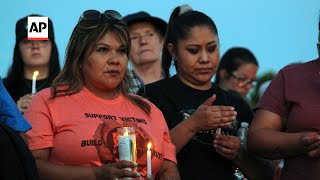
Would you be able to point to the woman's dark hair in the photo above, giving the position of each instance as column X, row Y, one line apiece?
column 181, row 22
column 84, row 35
column 233, row 59
column 15, row 76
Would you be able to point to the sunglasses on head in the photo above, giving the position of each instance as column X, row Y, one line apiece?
column 95, row 15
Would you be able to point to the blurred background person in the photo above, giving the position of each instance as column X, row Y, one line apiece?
column 194, row 107
column 146, row 33
column 286, row 123
column 74, row 133
column 28, row 57
column 237, row 70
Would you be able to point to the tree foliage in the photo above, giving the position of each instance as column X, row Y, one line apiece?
column 254, row 95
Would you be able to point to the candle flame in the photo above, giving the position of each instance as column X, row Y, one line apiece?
column 35, row 74
column 149, row 146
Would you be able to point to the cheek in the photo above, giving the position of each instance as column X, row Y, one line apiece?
column 24, row 55
column 47, row 52
column 158, row 44
column 215, row 58
column 87, row 72
column 91, row 67
column 185, row 63
column 134, row 48
column 236, row 87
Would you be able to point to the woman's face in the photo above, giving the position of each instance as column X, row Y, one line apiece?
column 35, row 53
column 197, row 57
column 146, row 43
column 241, row 80
column 105, row 65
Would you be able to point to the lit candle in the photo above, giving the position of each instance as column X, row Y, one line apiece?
column 34, row 79
column 127, row 145
column 149, row 174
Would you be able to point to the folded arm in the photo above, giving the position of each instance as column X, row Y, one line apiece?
column 266, row 138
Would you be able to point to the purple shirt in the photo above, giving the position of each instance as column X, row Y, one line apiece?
column 295, row 94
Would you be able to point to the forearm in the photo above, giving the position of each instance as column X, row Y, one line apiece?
column 182, row 133
column 48, row 170
column 168, row 171
column 254, row 167
column 273, row 144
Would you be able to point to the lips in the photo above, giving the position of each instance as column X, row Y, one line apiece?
column 113, row 71
column 145, row 50
column 204, row 70
column 35, row 54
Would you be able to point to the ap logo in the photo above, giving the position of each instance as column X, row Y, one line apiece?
column 38, row 28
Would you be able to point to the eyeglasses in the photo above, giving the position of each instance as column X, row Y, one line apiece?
column 25, row 43
column 243, row 82
column 147, row 36
column 91, row 14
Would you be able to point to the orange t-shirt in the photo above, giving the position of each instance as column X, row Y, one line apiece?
column 81, row 129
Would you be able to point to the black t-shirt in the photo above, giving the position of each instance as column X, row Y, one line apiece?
column 177, row 101
column 19, row 90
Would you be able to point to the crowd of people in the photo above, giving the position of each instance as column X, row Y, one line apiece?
column 116, row 74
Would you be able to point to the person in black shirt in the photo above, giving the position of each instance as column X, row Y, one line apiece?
column 30, row 56
column 194, row 107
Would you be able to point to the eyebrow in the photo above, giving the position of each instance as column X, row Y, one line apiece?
column 246, row 77
column 107, row 45
column 143, row 32
column 102, row 44
column 209, row 43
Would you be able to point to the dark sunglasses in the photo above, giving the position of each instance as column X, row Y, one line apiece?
column 95, row 15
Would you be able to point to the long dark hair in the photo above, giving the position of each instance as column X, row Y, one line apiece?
column 181, row 22
column 15, row 76
column 233, row 59
column 86, row 33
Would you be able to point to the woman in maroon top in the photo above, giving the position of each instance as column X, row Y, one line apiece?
column 287, row 121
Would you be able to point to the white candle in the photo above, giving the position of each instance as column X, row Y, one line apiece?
column 149, row 173
column 126, row 145
column 34, row 80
